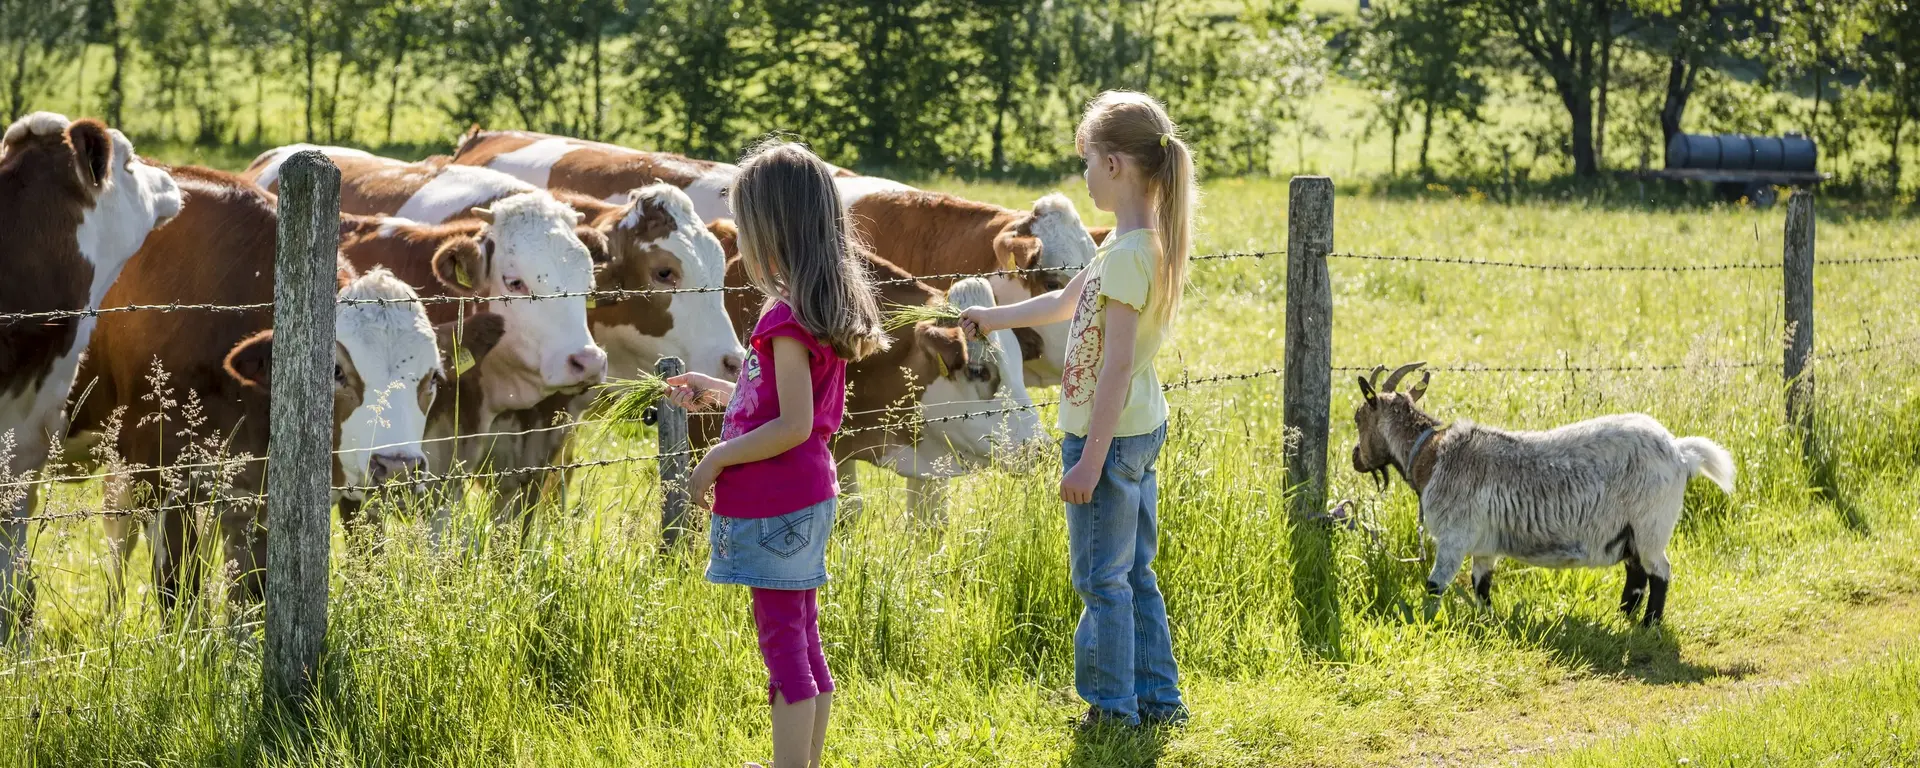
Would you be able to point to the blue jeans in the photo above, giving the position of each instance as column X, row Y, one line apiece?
column 1122, row 652
column 784, row 552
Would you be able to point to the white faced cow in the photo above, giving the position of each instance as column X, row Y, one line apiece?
column 75, row 204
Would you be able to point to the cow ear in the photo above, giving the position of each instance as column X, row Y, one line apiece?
column 459, row 264
column 648, row 220
column 250, row 362
column 1030, row 343
column 728, row 235
column 945, row 345
column 464, row 343
column 598, row 249
column 1099, row 234
column 1015, row 249
column 92, row 152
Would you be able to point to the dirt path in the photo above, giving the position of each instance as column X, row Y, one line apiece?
column 1583, row 711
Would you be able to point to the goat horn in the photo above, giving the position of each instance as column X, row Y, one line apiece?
column 1393, row 379
column 1374, row 379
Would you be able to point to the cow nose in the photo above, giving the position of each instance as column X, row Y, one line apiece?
column 731, row 364
column 588, row 365
column 387, row 466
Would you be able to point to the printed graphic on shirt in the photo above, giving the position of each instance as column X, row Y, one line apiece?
column 746, row 397
column 1084, row 344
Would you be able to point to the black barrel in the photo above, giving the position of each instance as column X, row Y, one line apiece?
column 1688, row 150
column 1736, row 152
column 1798, row 153
column 1768, row 153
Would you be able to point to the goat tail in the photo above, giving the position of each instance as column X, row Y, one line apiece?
column 1705, row 457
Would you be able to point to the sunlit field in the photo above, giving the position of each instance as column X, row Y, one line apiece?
column 951, row 639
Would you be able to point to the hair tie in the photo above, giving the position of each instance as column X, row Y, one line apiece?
column 1164, row 137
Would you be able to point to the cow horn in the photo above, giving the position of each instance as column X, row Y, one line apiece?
column 1374, row 378
column 483, row 214
column 1393, row 379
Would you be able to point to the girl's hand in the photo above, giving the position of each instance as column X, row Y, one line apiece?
column 977, row 321
column 700, row 483
column 1076, row 487
column 698, row 391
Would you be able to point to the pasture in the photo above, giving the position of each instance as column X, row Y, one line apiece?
column 1793, row 600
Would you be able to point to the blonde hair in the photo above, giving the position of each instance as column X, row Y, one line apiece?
column 794, row 240
column 1136, row 125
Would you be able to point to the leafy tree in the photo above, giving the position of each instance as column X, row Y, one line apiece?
column 1424, row 55
column 36, row 37
column 1890, row 57
column 1563, row 40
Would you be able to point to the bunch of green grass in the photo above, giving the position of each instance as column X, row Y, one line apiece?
column 624, row 402
column 902, row 316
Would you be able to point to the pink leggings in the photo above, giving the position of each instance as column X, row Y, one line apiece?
column 789, row 623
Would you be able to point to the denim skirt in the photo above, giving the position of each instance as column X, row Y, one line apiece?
column 784, row 552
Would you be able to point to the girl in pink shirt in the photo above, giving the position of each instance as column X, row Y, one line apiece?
column 772, row 476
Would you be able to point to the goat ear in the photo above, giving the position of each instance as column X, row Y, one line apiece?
column 1419, row 390
column 1366, row 391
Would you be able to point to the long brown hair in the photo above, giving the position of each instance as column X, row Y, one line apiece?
column 1136, row 125
column 795, row 241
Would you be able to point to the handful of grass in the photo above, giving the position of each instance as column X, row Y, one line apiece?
column 625, row 400
column 908, row 315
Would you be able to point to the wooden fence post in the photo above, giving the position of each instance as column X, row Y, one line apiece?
column 1306, row 396
column 1798, row 271
column 674, row 461
column 300, row 430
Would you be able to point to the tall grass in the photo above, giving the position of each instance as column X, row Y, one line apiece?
column 952, row 645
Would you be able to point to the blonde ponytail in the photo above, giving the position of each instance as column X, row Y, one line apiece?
column 1137, row 125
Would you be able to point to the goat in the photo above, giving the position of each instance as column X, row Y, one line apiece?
column 1591, row 494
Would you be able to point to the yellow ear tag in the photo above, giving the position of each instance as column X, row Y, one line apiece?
column 462, row 360
column 591, row 303
column 460, row 275
column 942, row 360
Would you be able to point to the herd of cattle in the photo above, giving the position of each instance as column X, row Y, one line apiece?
column 91, row 224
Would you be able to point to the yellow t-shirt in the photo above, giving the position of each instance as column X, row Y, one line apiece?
column 1122, row 270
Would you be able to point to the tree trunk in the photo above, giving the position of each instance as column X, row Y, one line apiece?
column 115, row 98
column 1579, row 102
column 393, row 86
column 1393, row 145
column 1426, row 138
column 1606, row 77
column 1153, row 22
column 599, row 110
column 333, row 98
column 306, row 33
column 1004, row 99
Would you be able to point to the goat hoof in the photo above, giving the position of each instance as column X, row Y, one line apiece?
column 1435, row 590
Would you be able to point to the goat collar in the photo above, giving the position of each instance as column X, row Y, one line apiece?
column 1413, row 457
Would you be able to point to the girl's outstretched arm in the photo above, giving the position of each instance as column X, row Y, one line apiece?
column 793, row 379
column 1109, row 398
column 1044, row 309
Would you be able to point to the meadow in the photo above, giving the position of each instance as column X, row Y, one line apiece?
column 1788, row 639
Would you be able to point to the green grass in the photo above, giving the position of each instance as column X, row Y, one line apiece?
column 1866, row 716
column 952, row 643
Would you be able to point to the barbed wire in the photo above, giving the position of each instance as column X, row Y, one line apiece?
column 1556, row 267
column 1869, row 347
column 1660, row 368
column 17, row 666
column 61, row 314
column 1865, row 260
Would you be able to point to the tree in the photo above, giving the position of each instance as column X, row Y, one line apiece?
column 1425, row 55
column 1563, row 39
column 1891, row 60
column 36, row 36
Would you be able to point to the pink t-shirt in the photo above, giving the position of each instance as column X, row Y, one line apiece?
column 804, row 475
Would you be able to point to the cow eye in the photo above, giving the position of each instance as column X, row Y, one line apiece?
column 665, row 275
column 339, row 375
column 517, row 286
column 979, row 372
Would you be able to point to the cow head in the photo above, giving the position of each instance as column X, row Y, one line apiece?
column 526, row 246
column 659, row 243
column 981, row 377
column 123, row 197
column 386, row 373
column 1050, row 238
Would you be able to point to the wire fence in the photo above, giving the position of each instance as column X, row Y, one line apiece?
column 1307, row 390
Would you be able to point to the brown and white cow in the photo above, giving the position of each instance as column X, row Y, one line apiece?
column 75, row 204
column 606, row 171
column 931, row 233
column 972, row 391
column 523, row 245
column 654, row 240
column 220, row 250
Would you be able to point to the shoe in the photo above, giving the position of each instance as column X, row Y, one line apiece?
column 1172, row 717
column 1096, row 718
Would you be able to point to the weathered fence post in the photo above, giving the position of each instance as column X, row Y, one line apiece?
column 1306, row 396
column 672, row 421
column 1798, row 271
column 300, row 430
